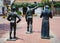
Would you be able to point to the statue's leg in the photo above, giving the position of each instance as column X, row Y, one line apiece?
column 28, row 31
column 14, row 30
column 11, row 30
column 30, row 26
column 27, row 26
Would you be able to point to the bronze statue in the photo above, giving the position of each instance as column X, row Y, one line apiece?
column 46, row 13
column 12, row 18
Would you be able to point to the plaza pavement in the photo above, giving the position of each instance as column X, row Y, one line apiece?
column 35, row 37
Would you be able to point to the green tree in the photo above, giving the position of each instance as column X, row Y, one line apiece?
column 45, row 1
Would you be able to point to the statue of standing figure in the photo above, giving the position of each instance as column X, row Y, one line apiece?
column 29, row 18
column 46, row 13
column 12, row 18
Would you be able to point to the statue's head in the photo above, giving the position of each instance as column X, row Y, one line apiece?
column 46, row 7
column 13, row 9
column 29, row 6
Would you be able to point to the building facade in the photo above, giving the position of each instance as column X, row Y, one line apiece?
column 28, row 1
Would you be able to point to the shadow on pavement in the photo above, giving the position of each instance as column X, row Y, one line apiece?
column 3, row 29
column 36, row 31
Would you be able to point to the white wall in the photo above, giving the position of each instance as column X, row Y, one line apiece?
column 1, row 5
column 38, row 11
column 21, row 9
column 12, row 1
